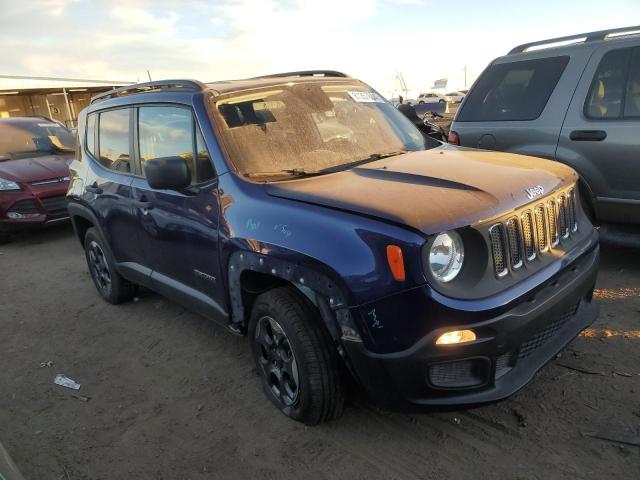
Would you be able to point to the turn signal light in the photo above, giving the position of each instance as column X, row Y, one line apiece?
column 396, row 262
column 455, row 337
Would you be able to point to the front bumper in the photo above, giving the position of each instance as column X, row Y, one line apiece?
column 33, row 206
column 510, row 349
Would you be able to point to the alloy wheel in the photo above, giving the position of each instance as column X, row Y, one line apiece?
column 99, row 267
column 277, row 361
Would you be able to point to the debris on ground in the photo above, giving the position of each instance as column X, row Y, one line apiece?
column 46, row 364
column 581, row 370
column 81, row 398
column 64, row 381
column 623, row 374
column 522, row 420
column 634, row 442
column 457, row 421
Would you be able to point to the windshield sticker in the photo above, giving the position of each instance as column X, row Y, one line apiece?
column 48, row 125
column 366, row 97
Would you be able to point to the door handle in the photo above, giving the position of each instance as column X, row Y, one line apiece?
column 588, row 135
column 93, row 188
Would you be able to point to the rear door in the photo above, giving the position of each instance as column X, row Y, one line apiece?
column 179, row 229
column 518, row 103
column 600, row 134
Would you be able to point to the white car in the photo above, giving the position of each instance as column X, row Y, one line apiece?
column 432, row 98
column 454, row 97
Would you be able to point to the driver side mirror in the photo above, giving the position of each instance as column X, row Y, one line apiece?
column 167, row 173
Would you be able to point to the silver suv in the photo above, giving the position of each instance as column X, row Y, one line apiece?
column 573, row 99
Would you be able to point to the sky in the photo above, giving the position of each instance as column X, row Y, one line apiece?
column 371, row 40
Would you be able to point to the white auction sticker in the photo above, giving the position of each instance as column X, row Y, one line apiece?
column 49, row 125
column 366, row 97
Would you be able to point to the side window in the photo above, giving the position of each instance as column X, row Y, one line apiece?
column 513, row 91
column 91, row 134
column 113, row 140
column 606, row 95
column 632, row 98
column 170, row 132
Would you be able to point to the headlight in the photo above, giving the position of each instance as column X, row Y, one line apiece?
column 8, row 185
column 446, row 256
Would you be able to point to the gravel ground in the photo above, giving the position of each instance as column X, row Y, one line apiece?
column 167, row 395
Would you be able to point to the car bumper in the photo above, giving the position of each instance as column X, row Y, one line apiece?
column 510, row 349
column 32, row 207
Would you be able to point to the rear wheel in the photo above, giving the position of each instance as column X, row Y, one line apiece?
column 295, row 358
column 109, row 283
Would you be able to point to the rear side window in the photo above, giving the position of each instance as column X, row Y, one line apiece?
column 113, row 140
column 513, row 91
column 171, row 132
column 615, row 89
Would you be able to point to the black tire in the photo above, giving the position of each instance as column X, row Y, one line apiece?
column 441, row 101
column 421, row 102
column 301, row 355
column 110, row 284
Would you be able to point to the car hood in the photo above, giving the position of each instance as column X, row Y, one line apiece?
column 35, row 169
column 433, row 190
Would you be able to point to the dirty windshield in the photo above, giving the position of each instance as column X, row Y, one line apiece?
column 312, row 128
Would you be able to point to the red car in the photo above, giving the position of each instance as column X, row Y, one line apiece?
column 35, row 153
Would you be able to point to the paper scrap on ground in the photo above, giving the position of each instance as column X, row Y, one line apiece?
column 66, row 382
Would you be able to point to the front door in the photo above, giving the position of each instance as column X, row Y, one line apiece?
column 179, row 229
column 600, row 134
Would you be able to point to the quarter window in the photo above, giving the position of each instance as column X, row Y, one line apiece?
column 91, row 134
column 170, row 132
column 113, row 140
column 513, row 91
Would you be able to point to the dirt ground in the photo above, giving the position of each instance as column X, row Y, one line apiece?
column 167, row 395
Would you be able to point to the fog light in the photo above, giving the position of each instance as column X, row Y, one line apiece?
column 19, row 216
column 455, row 337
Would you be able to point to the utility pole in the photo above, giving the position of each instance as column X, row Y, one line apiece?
column 465, row 76
column 149, row 75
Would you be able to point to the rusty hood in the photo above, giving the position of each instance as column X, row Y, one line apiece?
column 433, row 190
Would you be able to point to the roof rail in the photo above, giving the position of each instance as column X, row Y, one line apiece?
column 584, row 37
column 160, row 85
column 306, row 73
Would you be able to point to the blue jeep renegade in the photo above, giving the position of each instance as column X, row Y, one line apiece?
column 305, row 211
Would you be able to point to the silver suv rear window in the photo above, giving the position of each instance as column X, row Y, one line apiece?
column 513, row 91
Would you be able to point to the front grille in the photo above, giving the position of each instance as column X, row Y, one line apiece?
column 55, row 206
column 505, row 362
column 543, row 335
column 460, row 373
column 541, row 228
column 25, row 207
column 498, row 251
column 553, row 223
column 563, row 221
column 527, row 236
column 533, row 233
column 515, row 241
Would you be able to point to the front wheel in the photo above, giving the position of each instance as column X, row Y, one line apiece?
column 441, row 101
column 295, row 358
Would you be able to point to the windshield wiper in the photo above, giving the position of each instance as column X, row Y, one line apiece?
column 301, row 172
column 295, row 172
column 371, row 158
